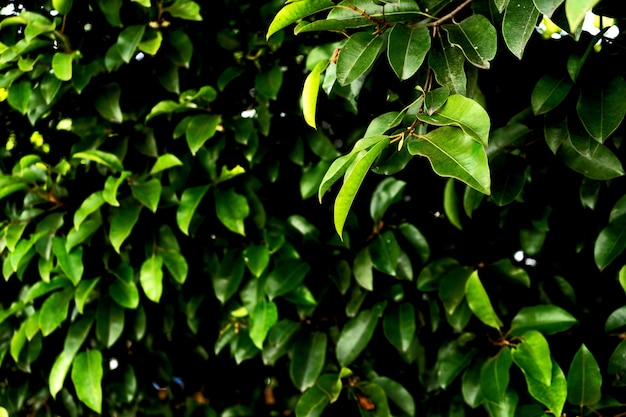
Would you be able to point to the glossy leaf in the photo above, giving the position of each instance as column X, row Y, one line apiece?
column 107, row 103
column 309, row 356
column 310, row 92
column 546, row 318
column 257, row 258
column 552, row 395
column 279, row 340
column 232, row 209
column 448, row 62
column 387, row 192
column 189, row 202
column 399, row 325
column 107, row 159
column 201, row 128
column 507, row 407
column 285, row 277
column 295, row 11
column 479, row 302
column 452, row 358
column 385, row 253
column 164, row 162
column 87, row 375
column 122, row 225
column 62, row 65
column 88, row 206
column 262, row 318
column 452, row 287
column 451, row 204
column 109, row 322
column 406, row 49
column 312, row 403
column 398, row 394
column 355, row 336
column 518, row 25
column 432, row 274
column 601, row 108
column 454, row 154
column 124, row 293
column 148, row 193
column 532, row 355
column 184, row 9
column 575, row 10
column 547, row 7
column 585, row 155
column 610, row 243
column 357, row 56
column 549, row 92
column 151, row 277
column 54, row 310
column 584, row 380
column 71, row 263
column 362, row 270
column 83, row 293
column 494, row 376
column 476, row 37
column 19, row 96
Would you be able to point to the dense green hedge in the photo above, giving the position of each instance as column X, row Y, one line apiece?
column 238, row 208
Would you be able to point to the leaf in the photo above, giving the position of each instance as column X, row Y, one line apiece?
column 107, row 103
column 310, row 92
column 451, row 204
column 546, row 318
column 462, row 112
column 532, row 356
column 184, row 9
column 232, row 209
column 295, row 11
column 376, row 397
column 87, row 377
column 399, row 326
column 124, row 293
column 257, row 258
column 309, row 357
column 494, row 376
column 362, row 269
column 448, row 63
column 312, row 403
column 452, row 358
column 279, row 340
column 199, row 129
column 507, row 407
column 62, row 65
column 454, row 154
column 387, row 192
column 509, row 173
column 547, row 7
column 355, row 336
column 54, row 310
column 610, row 243
column 111, row 186
column 19, row 96
column 176, row 264
column 406, row 49
column 83, row 293
column 601, row 108
column 285, row 277
column 109, row 322
column 585, row 155
column 479, row 302
column 398, row 394
column 71, row 263
column 384, row 252
column 357, row 56
column 335, row 171
column 189, row 202
column 352, row 183
column 452, row 287
column 164, row 162
column 151, row 277
column 584, row 380
column 107, row 159
column 62, row 6
column 124, row 219
column 476, row 37
column 553, row 395
column 262, row 318
column 575, row 10
column 549, row 92
column 518, row 25
column 148, row 193
column 87, row 207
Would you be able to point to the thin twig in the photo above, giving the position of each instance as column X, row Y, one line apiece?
column 449, row 15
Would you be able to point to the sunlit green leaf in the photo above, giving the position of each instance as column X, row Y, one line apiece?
column 476, row 37
column 87, row 375
column 189, row 202
column 576, row 10
column 309, row 356
column 610, row 243
column 122, row 225
column 532, row 355
column 295, row 11
column 552, row 395
column 232, row 209
column 355, row 336
column 480, row 303
column 406, row 50
column 184, row 9
column 151, row 277
column 584, row 380
column 201, row 128
column 262, row 318
column 494, row 376
column 357, row 56
column 548, row 319
column 310, row 92
column 312, row 403
column 518, row 25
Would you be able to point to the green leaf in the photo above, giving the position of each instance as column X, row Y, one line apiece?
column 279, row 340
column 575, row 10
column 398, row 394
column 71, row 263
column 377, row 396
column 164, row 162
column 549, row 92
column 476, row 37
column 310, row 91
column 84, row 292
column 62, row 6
column 257, row 258
column 552, row 395
column 494, row 376
column 584, row 379
column 62, row 65
column 87, row 207
column 399, row 326
column 507, row 407
column 19, row 96
column 124, row 219
column 548, row 7
column 184, row 9
column 452, row 287
column 189, row 202
column 470, row 384
column 295, row 11
column 601, row 108
column 124, row 293
column 406, row 49
column 76, row 336
column 518, row 25
column 285, row 277
column 87, row 377
column 232, row 209
column 452, row 358
column 509, row 173
column 227, row 278
column 454, row 154
column 355, row 336
column 362, row 269
column 335, row 171
column 111, row 11
column 148, row 193
column 107, row 159
column 54, row 310
column 353, row 181
column 387, row 192
column 416, row 239
column 585, row 155
column 262, row 318
column 451, row 204
column 313, row 402
column 111, row 186
column 622, row 277
column 462, row 112
column 309, row 357
column 479, row 302
column 507, row 270
column 532, row 356
column 108, row 103
column 268, row 83
column 546, row 318
column 199, row 129
column 176, row 264
column 384, row 252
column 357, row 56
column 448, row 63
column 610, row 243
column 109, row 321
column 151, row 277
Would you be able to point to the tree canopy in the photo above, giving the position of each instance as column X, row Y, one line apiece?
column 312, row 207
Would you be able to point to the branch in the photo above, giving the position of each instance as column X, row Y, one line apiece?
column 449, row 15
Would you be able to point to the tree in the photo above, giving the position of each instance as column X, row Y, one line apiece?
column 164, row 251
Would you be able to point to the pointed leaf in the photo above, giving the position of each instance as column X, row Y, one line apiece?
column 151, row 277
column 279, row 340
column 532, row 355
column 124, row 293
column 357, row 56
column 584, row 379
column 257, row 258
column 124, row 219
column 355, row 336
column 309, row 357
column 295, row 11
column 71, row 263
column 552, row 395
column 494, row 376
column 262, row 318
column 518, row 25
column 479, row 302
column 384, row 252
column 448, row 63
column 310, row 91
column 362, row 269
column 575, row 10
column 164, row 162
column 312, row 403
column 549, row 92
column 548, row 319
column 387, row 192
column 189, row 202
column 399, row 326
column 107, row 159
column 107, row 103
column 88, row 206
column 148, row 193
column 285, row 277
column 176, row 264
column 109, row 321
column 610, row 243
column 406, row 49
column 452, row 287
column 601, row 108
column 585, row 155
column 199, row 129
column 476, row 37
column 54, row 310
column 87, row 377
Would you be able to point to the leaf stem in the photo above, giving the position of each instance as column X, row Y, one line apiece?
column 449, row 15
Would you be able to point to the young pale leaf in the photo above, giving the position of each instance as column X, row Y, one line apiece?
column 353, row 181
column 122, row 225
column 148, row 193
column 552, row 395
column 448, row 63
column 399, row 326
column 462, row 112
column 575, row 10
column 151, row 277
column 532, row 355
column 313, row 402
column 355, row 336
column 518, row 25
column 294, row 11
column 232, row 209
column 310, row 92
column 584, row 379
column 601, row 108
column 62, row 65
column 549, row 92
column 622, row 278
column 454, row 154
column 309, row 357
column 406, row 49
column 334, row 172
column 610, row 243
column 262, row 318
column 476, row 37
column 87, row 378
column 357, row 56
column 479, row 302
column 189, row 202
column 107, row 159
column 494, row 376
column 164, row 162
column 546, row 318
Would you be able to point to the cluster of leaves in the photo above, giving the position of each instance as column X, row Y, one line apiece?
column 149, row 275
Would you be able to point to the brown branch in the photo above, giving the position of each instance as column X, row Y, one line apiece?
column 449, row 15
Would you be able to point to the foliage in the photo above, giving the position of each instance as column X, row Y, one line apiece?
column 163, row 252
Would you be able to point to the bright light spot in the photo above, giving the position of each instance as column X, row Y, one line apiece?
column 530, row 262
column 518, row 256
column 8, row 10
column 11, row 142
column 438, row 214
column 248, row 114
column 36, row 139
column 282, row 114
column 87, row 27
column 139, row 56
column 113, row 364
column 54, row 13
column 65, row 124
